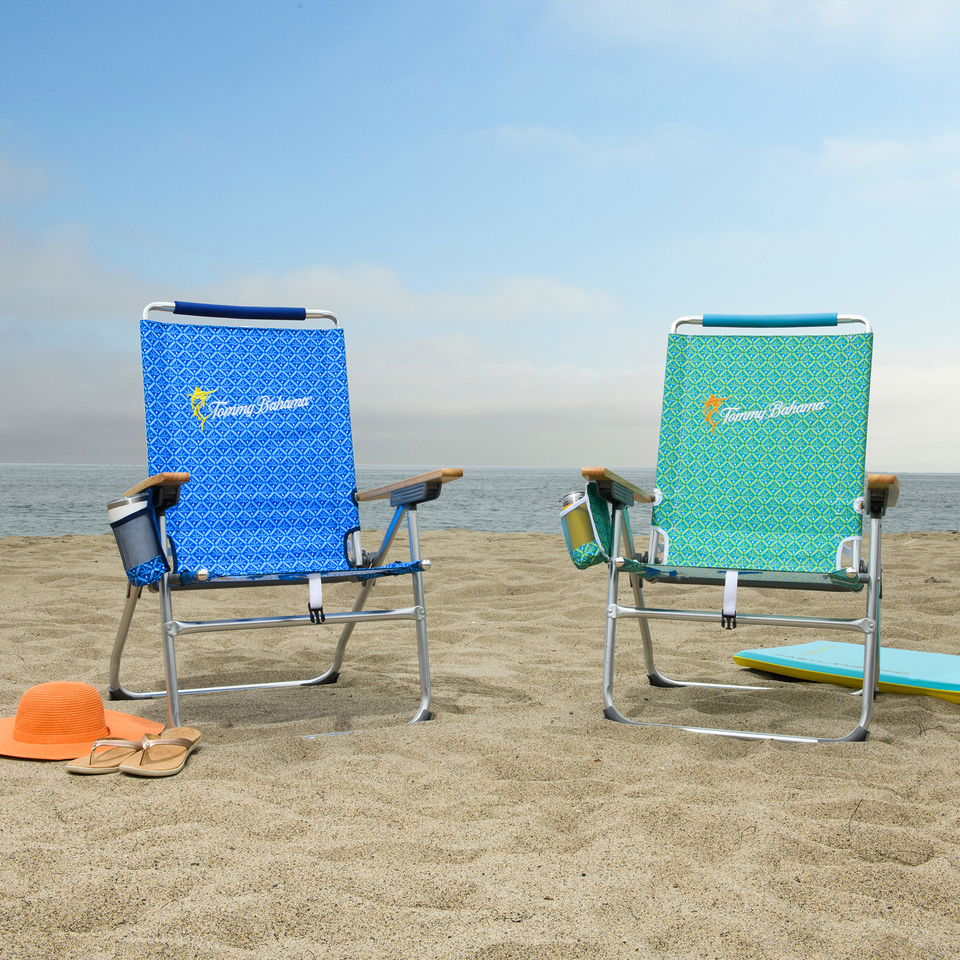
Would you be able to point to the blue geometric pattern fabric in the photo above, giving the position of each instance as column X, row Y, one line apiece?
column 260, row 418
column 146, row 573
column 762, row 446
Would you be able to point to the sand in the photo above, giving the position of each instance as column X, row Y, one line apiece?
column 519, row 823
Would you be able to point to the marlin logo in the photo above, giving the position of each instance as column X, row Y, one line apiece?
column 710, row 408
column 198, row 403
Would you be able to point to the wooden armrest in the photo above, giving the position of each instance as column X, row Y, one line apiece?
column 602, row 473
column 887, row 482
column 444, row 475
column 159, row 480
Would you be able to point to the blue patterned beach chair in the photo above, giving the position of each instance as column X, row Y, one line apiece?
column 760, row 483
column 253, row 483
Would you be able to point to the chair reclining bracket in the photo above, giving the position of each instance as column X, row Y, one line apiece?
column 615, row 493
column 418, row 493
column 165, row 497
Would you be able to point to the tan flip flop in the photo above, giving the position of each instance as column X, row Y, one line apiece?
column 163, row 755
column 112, row 752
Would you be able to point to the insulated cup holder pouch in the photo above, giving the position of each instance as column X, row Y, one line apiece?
column 134, row 524
column 580, row 528
column 588, row 528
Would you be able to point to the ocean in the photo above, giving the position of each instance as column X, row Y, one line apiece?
column 50, row 500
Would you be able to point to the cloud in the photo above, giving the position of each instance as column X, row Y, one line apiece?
column 367, row 290
column 21, row 184
column 770, row 29
column 64, row 406
column 912, row 421
column 591, row 435
column 458, row 375
column 56, row 277
column 601, row 152
column 561, row 141
column 898, row 170
column 452, row 398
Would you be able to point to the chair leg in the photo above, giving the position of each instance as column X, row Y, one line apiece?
column 871, row 641
column 169, row 653
column 656, row 678
column 115, row 689
column 610, row 710
column 423, row 654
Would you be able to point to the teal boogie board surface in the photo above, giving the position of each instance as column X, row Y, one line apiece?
column 901, row 671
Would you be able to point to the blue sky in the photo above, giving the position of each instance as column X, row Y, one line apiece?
column 506, row 204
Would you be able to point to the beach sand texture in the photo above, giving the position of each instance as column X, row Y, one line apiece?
column 517, row 824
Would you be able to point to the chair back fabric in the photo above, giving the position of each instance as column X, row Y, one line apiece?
column 260, row 418
column 762, row 446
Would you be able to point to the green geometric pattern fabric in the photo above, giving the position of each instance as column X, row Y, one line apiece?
column 762, row 448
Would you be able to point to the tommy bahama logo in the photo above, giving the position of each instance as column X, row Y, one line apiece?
column 217, row 409
column 715, row 414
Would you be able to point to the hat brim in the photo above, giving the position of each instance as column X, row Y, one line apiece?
column 120, row 725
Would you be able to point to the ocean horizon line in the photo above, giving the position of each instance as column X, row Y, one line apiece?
column 48, row 499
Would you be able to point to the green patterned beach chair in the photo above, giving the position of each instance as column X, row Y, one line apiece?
column 760, row 483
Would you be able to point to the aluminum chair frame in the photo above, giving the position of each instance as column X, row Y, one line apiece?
column 405, row 496
column 880, row 491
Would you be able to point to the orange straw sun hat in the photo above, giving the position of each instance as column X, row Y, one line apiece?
column 60, row 720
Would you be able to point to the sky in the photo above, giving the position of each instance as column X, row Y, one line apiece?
column 505, row 203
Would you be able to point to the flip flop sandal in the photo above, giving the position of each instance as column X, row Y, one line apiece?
column 107, row 754
column 164, row 755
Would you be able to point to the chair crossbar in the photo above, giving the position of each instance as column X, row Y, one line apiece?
column 863, row 624
column 180, row 627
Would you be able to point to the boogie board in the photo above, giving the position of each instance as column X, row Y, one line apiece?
column 901, row 671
